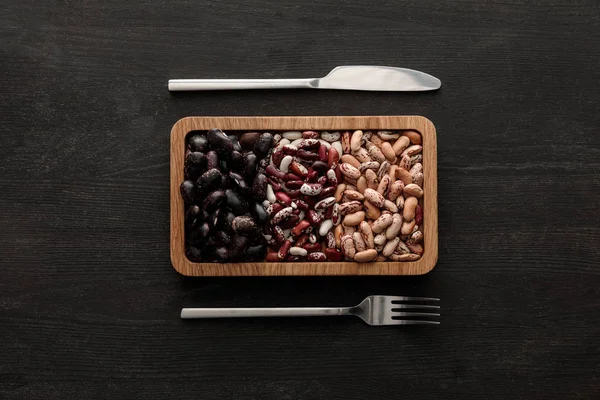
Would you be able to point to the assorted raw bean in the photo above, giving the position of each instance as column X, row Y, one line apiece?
column 303, row 196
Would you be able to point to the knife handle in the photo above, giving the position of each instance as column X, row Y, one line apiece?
column 235, row 84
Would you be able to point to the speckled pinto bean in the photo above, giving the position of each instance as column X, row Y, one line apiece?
column 383, row 173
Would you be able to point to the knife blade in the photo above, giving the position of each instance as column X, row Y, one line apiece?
column 349, row 77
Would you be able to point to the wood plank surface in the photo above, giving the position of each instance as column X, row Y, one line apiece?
column 89, row 301
column 273, row 124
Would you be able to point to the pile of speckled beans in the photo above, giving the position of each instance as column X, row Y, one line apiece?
column 329, row 196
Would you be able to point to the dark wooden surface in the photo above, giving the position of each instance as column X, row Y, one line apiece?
column 89, row 303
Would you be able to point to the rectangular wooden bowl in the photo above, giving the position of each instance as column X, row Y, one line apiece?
column 273, row 124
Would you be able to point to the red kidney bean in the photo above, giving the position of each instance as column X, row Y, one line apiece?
column 310, row 201
column 276, row 157
column 289, row 150
column 317, row 256
column 284, row 250
column 276, row 186
column 274, row 209
column 274, row 172
column 290, row 222
column 278, row 234
column 300, row 228
column 282, row 215
column 298, row 169
column 325, row 203
column 312, row 247
column 296, row 212
column 327, row 192
column 419, row 215
column 301, row 204
column 305, row 155
column 294, row 194
column 311, row 189
column 332, row 178
column 328, row 212
column 323, row 153
column 320, row 166
column 272, row 256
column 302, row 240
column 332, row 158
column 334, row 254
column 294, row 184
column 309, row 144
column 284, row 198
column 314, row 218
column 312, row 176
column 289, row 177
column 310, row 135
column 338, row 173
column 336, row 218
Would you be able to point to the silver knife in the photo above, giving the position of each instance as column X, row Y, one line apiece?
column 349, row 77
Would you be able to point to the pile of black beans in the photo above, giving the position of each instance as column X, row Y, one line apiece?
column 225, row 185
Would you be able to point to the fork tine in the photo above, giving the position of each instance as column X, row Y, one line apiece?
column 409, row 298
column 412, row 322
column 414, row 314
column 413, row 306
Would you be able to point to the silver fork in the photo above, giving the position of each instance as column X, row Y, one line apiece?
column 374, row 310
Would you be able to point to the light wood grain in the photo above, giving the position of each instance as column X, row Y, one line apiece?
column 430, row 209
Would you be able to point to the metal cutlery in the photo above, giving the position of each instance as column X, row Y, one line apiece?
column 350, row 77
column 374, row 310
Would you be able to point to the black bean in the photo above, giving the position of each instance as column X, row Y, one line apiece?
column 237, row 249
column 236, row 203
column 250, row 165
column 204, row 230
column 199, row 235
column 188, row 191
column 236, row 162
column 256, row 253
column 219, row 142
column 238, row 182
column 236, row 143
column 263, row 145
column 259, row 186
column 196, row 141
column 258, row 213
column 192, row 216
column 210, row 180
column 212, row 160
column 193, row 253
column 195, row 164
column 221, row 254
column 223, row 238
column 225, row 222
column 214, row 218
column 213, row 200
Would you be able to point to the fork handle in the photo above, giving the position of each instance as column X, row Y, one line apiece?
column 192, row 313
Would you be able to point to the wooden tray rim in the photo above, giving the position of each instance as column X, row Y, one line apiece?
column 323, row 123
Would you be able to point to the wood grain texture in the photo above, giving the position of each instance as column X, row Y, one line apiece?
column 89, row 301
column 273, row 124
